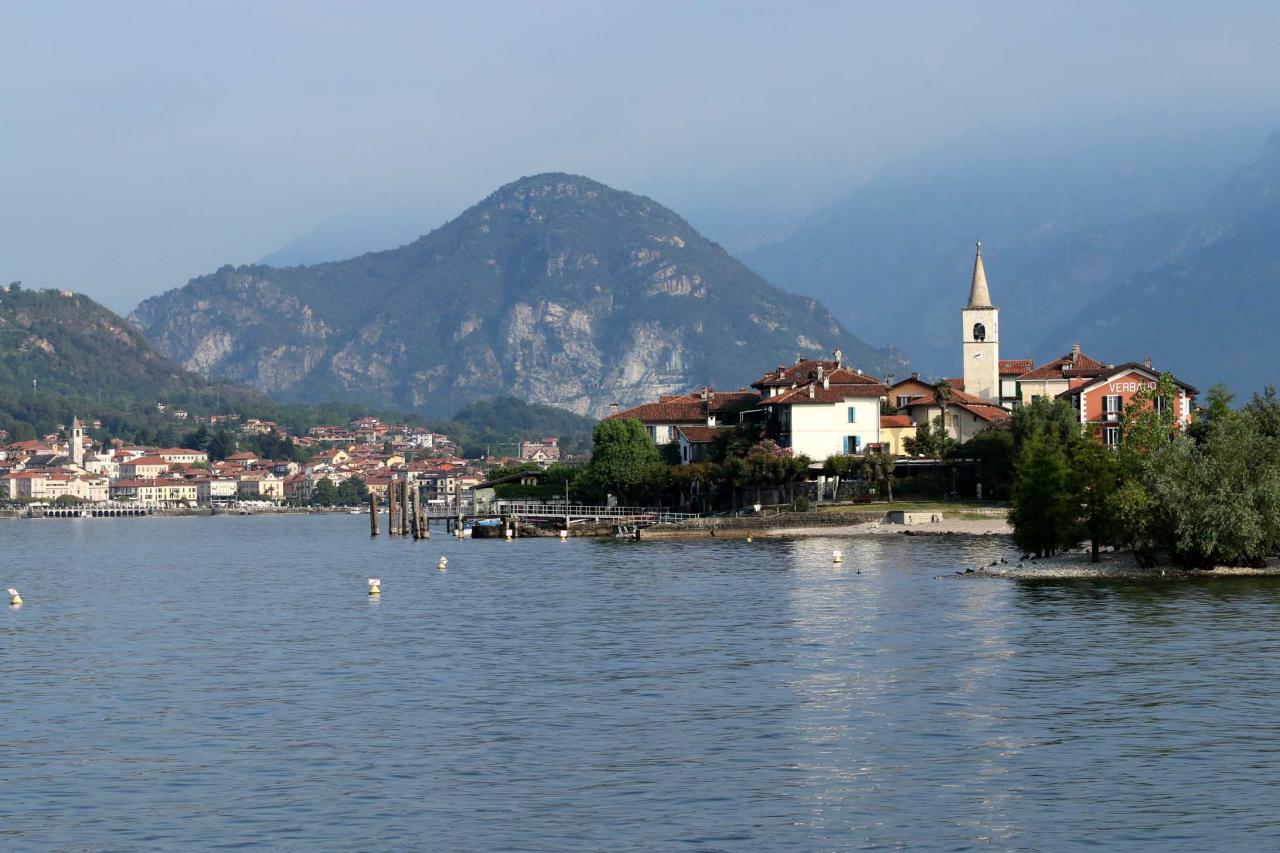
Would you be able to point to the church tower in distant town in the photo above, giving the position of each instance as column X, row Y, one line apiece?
column 77, row 442
column 981, row 338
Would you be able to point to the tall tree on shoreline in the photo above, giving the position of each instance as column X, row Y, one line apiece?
column 1044, row 505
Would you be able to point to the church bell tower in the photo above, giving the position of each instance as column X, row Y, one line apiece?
column 77, row 442
column 981, row 338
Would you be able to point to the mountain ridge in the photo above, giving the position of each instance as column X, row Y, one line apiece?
column 555, row 288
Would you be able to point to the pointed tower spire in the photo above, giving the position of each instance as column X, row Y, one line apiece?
column 978, row 295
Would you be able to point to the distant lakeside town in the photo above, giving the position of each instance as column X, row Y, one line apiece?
column 819, row 422
column 340, row 465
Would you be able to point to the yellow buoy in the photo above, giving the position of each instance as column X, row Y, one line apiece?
column 375, row 586
column 443, row 565
column 14, row 598
column 837, row 557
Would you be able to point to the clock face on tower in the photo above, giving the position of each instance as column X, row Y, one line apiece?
column 977, row 355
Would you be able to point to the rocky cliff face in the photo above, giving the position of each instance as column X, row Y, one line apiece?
column 556, row 289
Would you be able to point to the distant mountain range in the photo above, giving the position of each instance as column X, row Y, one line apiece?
column 1069, row 224
column 1209, row 309
column 556, row 289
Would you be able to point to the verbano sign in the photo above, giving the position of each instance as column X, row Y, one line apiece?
column 1129, row 387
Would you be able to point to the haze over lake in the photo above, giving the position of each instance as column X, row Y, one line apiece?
column 203, row 682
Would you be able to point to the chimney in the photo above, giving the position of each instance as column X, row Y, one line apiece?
column 798, row 358
column 820, row 371
column 613, row 408
column 915, row 375
column 839, row 357
column 1075, row 352
column 705, row 394
column 859, row 371
column 826, row 382
column 1146, row 362
column 810, row 390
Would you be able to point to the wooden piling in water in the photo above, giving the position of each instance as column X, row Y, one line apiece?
column 393, row 522
column 423, row 528
column 404, row 506
column 414, row 520
column 373, row 514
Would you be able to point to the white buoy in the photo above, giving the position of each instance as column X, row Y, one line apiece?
column 14, row 598
column 443, row 565
column 748, row 537
column 508, row 533
column 837, row 556
column 564, row 534
column 375, row 586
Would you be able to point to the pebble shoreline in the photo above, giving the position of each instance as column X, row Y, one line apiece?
column 1112, row 566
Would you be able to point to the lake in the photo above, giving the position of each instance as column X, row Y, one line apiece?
column 227, row 682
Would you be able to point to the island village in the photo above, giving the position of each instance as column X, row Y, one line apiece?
column 816, row 408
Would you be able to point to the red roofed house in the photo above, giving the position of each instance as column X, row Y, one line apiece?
column 1101, row 400
column 1051, row 379
column 894, row 431
column 696, row 440
column 822, row 408
column 144, row 468
column 705, row 407
column 966, row 414
column 543, row 452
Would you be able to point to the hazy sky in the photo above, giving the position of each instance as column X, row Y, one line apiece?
column 142, row 143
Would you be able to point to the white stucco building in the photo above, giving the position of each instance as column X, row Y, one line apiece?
column 819, row 419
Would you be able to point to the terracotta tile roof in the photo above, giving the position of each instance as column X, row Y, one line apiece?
column 894, row 421
column 688, row 408
column 956, row 382
column 833, row 394
column 957, row 398
column 701, row 434
column 967, row 402
column 1111, row 373
column 148, row 460
column 1015, row 366
column 795, row 374
column 1074, row 363
column 986, row 412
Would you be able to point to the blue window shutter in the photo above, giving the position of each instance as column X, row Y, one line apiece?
column 853, row 415
column 846, row 444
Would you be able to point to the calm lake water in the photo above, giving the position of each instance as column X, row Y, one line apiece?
column 227, row 682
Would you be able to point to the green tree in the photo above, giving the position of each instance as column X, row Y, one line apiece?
column 1097, row 476
column 351, row 492
column 877, row 469
column 1044, row 504
column 1056, row 416
column 1150, row 418
column 994, row 450
column 198, row 439
column 930, row 440
column 1264, row 412
column 625, row 462
column 22, row 431
column 325, row 493
column 1218, row 501
column 942, row 393
column 221, row 445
